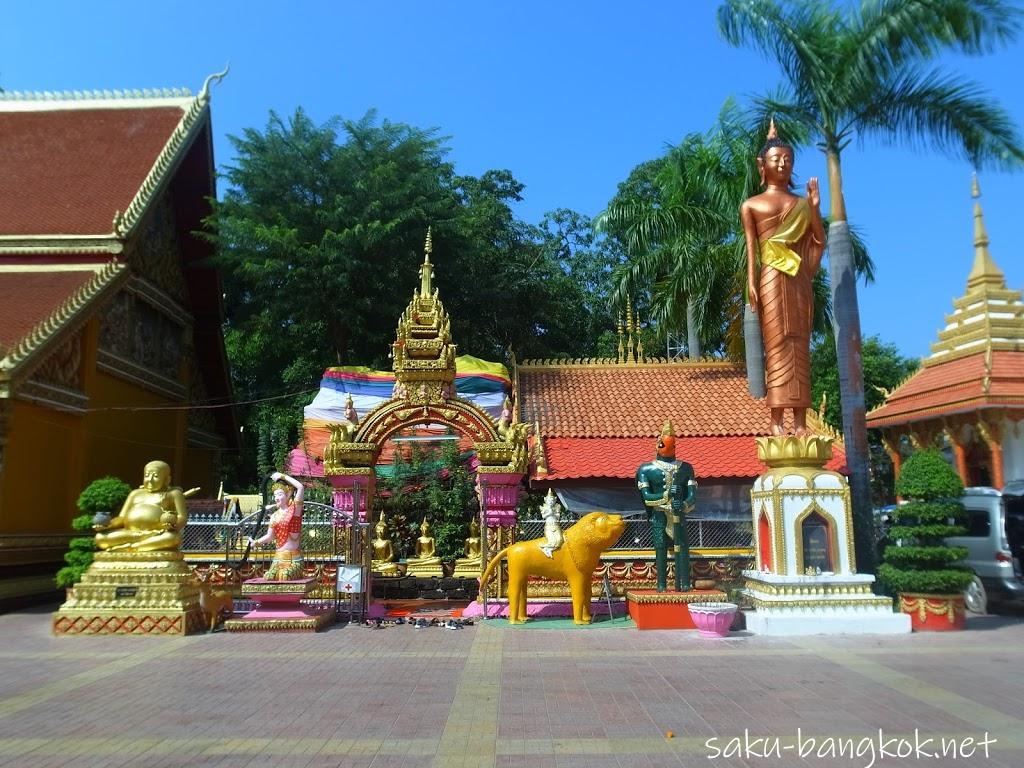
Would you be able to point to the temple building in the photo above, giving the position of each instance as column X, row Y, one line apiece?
column 110, row 319
column 970, row 391
column 598, row 420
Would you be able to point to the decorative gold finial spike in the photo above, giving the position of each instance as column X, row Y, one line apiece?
column 772, row 131
column 427, row 269
column 984, row 271
column 668, row 429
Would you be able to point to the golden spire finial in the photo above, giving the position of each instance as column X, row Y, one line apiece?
column 629, row 330
column 427, row 269
column 772, row 132
column 984, row 271
column 668, row 429
column 622, row 348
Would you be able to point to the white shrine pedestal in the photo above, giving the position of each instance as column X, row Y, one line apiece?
column 805, row 580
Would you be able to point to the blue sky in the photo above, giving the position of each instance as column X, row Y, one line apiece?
column 568, row 96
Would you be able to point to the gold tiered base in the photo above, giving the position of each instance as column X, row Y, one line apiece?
column 133, row 593
column 424, row 569
column 465, row 568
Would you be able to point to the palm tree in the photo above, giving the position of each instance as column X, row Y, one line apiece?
column 668, row 226
column 863, row 71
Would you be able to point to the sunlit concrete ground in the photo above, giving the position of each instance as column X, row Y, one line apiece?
column 487, row 696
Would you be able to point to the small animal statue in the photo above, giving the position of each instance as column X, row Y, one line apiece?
column 575, row 561
column 215, row 602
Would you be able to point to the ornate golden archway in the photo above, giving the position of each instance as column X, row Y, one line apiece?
column 424, row 393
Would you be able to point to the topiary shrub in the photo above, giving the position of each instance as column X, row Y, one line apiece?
column 106, row 494
column 921, row 561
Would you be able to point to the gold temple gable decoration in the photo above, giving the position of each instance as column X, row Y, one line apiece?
column 59, row 324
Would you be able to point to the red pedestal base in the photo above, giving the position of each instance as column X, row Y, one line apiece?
column 651, row 609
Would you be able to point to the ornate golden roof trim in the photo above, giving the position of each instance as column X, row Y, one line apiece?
column 167, row 161
column 61, row 320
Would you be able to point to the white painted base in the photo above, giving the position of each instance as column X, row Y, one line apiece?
column 824, row 604
column 852, row 622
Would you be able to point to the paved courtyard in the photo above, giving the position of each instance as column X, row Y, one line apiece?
column 489, row 695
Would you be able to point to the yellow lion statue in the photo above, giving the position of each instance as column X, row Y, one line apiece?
column 575, row 561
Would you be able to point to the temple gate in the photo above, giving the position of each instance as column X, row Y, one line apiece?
column 424, row 393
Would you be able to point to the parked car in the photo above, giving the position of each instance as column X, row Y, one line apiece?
column 995, row 544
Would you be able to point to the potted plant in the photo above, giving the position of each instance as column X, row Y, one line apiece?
column 102, row 498
column 920, row 567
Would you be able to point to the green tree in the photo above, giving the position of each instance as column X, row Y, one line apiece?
column 884, row 369
column 863, row 71
column 320, row 235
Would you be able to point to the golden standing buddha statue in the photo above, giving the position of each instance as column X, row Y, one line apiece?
column 785, row 239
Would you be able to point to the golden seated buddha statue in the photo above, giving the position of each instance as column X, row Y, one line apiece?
column 426, row 562
column 150, row 520
column 472, row 563
column 383, row 551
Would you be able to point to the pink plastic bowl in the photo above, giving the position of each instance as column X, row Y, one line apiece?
column 713, row 619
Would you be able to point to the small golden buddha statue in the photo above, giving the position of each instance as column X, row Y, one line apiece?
column 152, row 516
column 383, row 551
column 471, row 563
column 425, row 561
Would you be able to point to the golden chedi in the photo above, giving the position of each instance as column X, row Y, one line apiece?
column 426, row 562
column 138, row 582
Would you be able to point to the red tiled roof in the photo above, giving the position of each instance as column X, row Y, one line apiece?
column 635, row 401
column 28, row 297
column 955, row 387
column 720, row 457
column 68, row 171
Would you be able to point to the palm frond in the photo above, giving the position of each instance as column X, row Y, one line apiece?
column 785, row 36
column 933, row 109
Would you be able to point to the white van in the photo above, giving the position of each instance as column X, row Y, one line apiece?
column 995, row 544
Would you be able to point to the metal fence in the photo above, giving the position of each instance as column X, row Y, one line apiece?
column 701, row 532
column 329, row 539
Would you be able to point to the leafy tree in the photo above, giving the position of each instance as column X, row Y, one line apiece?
column 861, row 70
column 884, row 369
column 320, row 236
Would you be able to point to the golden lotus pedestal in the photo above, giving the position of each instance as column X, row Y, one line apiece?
column 805, row 579
column 133, row 593
column 279, row 607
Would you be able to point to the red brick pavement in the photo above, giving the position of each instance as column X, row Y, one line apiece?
column 398, row 697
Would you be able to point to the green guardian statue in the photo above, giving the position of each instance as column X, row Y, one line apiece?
column 669, row 489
